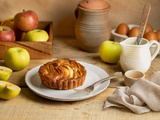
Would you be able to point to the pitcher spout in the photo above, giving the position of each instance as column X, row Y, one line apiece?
column 122, row 44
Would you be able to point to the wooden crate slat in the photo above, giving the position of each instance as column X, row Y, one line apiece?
column 37, row 50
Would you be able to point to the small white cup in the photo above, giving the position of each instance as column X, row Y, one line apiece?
column 131, row 76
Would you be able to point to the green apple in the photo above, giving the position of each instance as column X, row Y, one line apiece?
column 36, row 35
column 16, row 58
column 5, row 73
column 8, row 90
column 110, row 52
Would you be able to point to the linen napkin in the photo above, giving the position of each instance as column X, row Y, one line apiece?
column 143, row 96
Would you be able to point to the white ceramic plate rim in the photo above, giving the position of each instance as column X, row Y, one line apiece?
column 94, row 74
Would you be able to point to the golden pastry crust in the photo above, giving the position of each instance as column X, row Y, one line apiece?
column 62, row 74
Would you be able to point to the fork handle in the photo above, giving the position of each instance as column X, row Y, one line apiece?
column 103, row 80
column 115, row 75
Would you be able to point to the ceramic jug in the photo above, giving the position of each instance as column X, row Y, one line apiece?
column 92, row 28
column 137, row 57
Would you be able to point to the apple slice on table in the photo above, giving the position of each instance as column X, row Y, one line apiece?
column 5, row 73
column 8, row 90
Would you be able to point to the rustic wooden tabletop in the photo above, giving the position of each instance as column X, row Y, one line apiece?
column 28, row 105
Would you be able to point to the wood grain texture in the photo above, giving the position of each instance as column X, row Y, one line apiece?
column 27, row 105
column 37, row 50
column 67, row 48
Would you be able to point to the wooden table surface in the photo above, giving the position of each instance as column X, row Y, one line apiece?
column 29, row 106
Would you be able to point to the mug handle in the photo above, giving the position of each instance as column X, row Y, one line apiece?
column 157, row 48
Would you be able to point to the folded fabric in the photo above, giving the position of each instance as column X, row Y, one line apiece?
column 143, row 96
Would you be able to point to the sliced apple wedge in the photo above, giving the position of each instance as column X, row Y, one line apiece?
column 8, row 90
column 5, row 73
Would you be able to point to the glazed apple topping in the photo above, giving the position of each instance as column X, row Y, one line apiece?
column 62, row 74
column 64, row 69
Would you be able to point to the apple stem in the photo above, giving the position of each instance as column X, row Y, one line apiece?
column 18, row 50
column 4, row 29
column 23, row 10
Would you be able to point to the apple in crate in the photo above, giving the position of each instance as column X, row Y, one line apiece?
column 26, row 20
column 36, row 35
column 110, row 52
column 8, row 90
column 6, row 34
column 10, row 23
column 5, row 73
column 16, row 58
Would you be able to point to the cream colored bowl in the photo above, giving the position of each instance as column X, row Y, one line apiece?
column 131, row 76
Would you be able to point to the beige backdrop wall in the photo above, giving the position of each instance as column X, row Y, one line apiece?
column 61, row 12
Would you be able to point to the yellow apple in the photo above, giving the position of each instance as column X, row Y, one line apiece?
column 8, row 90
column 5, row 73
column 16, row 58
column 36, row 35
column 110, row 52
column 8, row 22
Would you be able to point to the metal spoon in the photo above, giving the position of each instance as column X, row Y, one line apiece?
column 144, row 19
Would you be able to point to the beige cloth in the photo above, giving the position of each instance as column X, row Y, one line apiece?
column 143, row 96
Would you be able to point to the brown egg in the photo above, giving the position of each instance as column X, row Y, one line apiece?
column 148, row 29
column 151, row 36
column 122, row 29
column 158, row 35
column 133, row 32
column 94, row 4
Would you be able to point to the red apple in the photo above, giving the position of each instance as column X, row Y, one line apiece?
column 10, row 23
column 26, row 20
column 6, row 34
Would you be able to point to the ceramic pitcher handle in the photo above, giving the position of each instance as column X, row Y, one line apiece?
column 157, row 48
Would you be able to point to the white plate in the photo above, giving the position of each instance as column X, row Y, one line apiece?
column 94, row 74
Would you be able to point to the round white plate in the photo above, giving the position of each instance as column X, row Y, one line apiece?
column 94, row 74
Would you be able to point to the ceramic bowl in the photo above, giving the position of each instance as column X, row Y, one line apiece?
column 131, row 76
column 118, row 37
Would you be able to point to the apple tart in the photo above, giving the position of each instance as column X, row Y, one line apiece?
column 62, row 74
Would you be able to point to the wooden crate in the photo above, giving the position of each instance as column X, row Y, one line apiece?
column 37, row 50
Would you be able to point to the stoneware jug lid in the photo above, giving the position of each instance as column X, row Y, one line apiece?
column 94, row 4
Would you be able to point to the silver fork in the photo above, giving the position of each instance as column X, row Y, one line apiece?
column 90, row 88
